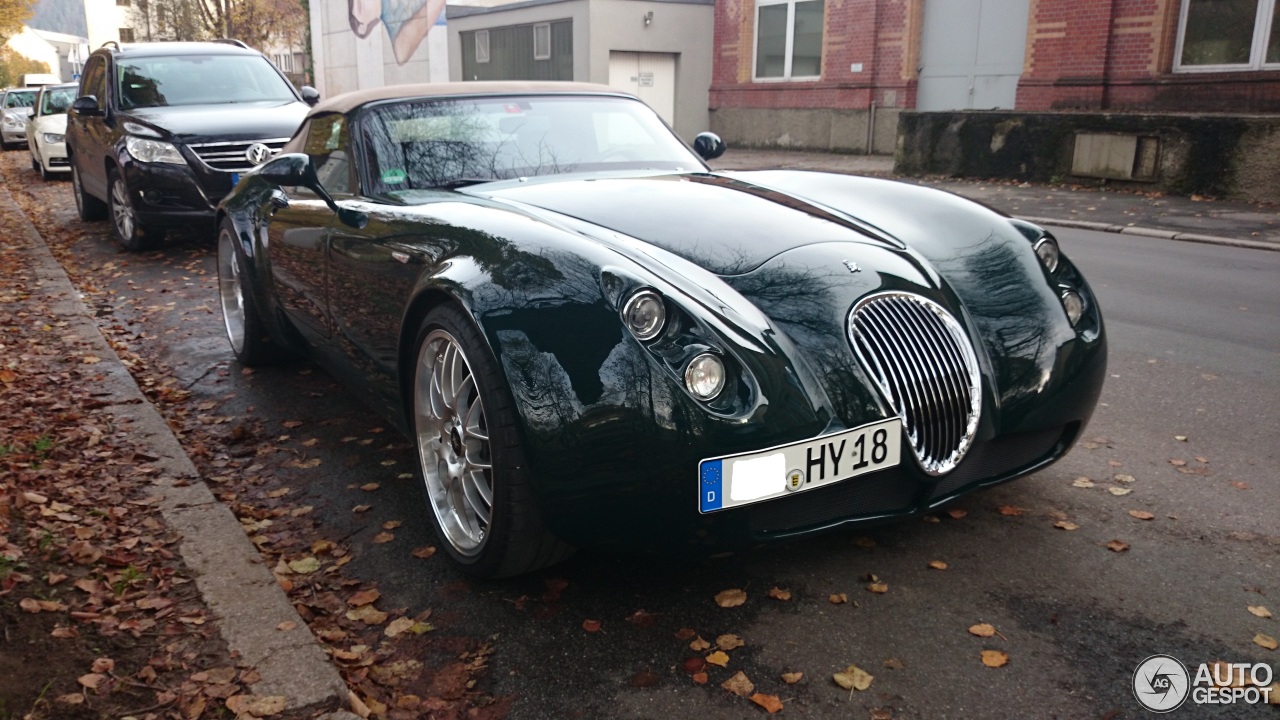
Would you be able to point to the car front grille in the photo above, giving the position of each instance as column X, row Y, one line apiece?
column 922, row 361
column 231, row 156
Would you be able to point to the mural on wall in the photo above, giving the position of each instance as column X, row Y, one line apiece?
column 407, row 21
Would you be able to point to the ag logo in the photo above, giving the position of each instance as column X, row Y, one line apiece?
column 1161, row 683
column 257, row 154
column 795, row 479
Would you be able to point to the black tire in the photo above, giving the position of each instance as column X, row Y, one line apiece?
column 35, row 164
column 514, row 540
column 132, row 235
column 88, row 207
column 246, row 332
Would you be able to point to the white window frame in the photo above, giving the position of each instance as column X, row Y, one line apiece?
column 482, row 46
column 790, row 46
column 545, row 29
column 1258, row 52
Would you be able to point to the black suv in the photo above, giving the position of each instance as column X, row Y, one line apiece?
column 160, row 131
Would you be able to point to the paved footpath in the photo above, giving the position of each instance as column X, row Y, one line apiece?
column 245, row 596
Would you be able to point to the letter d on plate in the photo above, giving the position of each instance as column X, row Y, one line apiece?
column 711, row 496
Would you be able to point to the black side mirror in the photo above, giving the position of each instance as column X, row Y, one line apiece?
column 294, row 169
column 310, row 95
column 709, row 146
column 87, row 106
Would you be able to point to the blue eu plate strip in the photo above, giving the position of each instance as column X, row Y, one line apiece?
column 711, row 491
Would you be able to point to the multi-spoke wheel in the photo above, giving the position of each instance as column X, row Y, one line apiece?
column 124, row 219
column 476, row 483
column 246, row 332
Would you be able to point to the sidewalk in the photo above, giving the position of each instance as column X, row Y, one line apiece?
column 1153, row 215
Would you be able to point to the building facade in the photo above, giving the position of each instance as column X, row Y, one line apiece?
column 372, row 43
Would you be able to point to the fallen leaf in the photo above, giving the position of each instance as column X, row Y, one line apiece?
column 768, row 702
column 1180, row 438
column 739, row 685
column 1141, row 515
column 591, row 625
column 792, row 678
column 1082, row 482
column 1119, row 491
column 853, row 678
column 878, row 587
column 256, row 705
column 779, row 594
column 1124, row 478
column 361, row 508
column 729, row 642
column 424, row 552
column 392, row 524
column 291, row 424
column 383, row 538
column 370, row 487
column 641, row 618
column 838, row 598
column 894, row 664
column 91, row 680
column 7, row 375
column 1117, row 546
column 1265, row 641
column 881, row 714
column 287, row 625
column 399, row 626
column 1260, row 611
column 694, row 665
column 718, row 657
column 731, row 598
column 937, row 565
column 698, row 645
column 1178, row 462
column 686, row 634
column 994, row 658
column 304, row 566
column 1066, row 525
column 700, row 678
column 1010, row 510
column 367, row 614
column 364, row 597
column 957, row 513
column 103, row 665
column 71, row 699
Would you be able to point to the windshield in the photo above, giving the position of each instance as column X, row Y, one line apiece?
column 20, row 98
column 199, row 80
column 56, row 101
column 426, row 144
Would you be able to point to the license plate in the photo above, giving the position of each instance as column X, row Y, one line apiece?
column 752, row 477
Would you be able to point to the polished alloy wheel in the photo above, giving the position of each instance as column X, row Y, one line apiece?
column 122, row 209
column 230, row 291
column 453, row 443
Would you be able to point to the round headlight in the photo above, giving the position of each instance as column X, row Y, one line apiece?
column 1047, row 251
column 645, row 314
column 1074, row 305
column 705, row 376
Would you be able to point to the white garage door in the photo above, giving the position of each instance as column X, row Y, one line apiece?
column 971, row 54
column 649, row 76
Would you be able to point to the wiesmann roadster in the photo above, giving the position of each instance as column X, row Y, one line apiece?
column 591, row 337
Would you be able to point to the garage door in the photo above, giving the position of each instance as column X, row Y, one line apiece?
column 649, row 76
column 971, row 54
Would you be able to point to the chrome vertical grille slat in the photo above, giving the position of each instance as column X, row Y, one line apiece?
column 924, row 365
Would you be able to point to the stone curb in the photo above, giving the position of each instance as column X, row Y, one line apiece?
column 1155, row 233
column 229, row 571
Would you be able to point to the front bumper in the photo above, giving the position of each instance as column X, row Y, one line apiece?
column 11, row 135
column 167, row 194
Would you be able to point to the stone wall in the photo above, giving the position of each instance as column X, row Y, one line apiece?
column 1224, row 156
column 833, row 129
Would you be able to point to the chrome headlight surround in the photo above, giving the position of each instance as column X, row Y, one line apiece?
column 153, row 151
column 645, row 314
column 704, row 376
column 1073, row 304
column 1047, row 251
column 53, row 138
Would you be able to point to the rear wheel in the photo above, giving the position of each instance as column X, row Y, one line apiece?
column 246, row 332
column 471, row 460
column 87, row 206
column 124, row 219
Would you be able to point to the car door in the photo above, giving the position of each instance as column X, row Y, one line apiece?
column 299, row 231
column 88, row 138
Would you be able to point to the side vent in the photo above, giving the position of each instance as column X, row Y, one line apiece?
column 1116, row 157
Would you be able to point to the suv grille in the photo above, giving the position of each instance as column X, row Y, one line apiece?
column 924, row 365
column 230, row 156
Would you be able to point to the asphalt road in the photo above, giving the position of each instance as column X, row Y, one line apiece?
column 1193, row 332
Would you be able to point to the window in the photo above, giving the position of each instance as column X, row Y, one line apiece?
column 284, row 61
column 126, row 35
column 1217, row 35
column 482, row 46
column 327, row 145
column 789, row 39
column 542, row 41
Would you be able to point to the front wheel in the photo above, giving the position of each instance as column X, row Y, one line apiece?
column 470, row 456
column 247, row 333
column 124, row 219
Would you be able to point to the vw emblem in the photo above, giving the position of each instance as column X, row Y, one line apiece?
column 257, row 154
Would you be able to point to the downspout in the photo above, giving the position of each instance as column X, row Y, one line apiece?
column 1106, row 56
column 871, row 129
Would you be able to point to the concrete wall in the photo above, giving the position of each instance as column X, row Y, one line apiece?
column 838, row 130
column 385, row 55
column 1216, row 155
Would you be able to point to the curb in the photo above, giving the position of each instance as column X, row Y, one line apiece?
column 229, row 572
column 1154, row 233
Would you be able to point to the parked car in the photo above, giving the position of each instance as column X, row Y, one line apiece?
column 591, row 337
column 161, row 131
column 46, row 130
column 16, row 107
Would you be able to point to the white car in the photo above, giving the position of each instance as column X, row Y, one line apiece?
column 17, row 108
column 47, row 128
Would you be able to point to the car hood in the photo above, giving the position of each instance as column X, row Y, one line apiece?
column 726, row 225
column 229, row 121
column 50, row 123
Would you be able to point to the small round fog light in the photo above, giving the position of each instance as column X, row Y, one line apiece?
column 705, row 376
column 645, row 314
column 1074, row 305
column 1047, row 251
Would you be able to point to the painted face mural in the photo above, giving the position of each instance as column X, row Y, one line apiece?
column 407, row 21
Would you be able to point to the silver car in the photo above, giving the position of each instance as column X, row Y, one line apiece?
column 17, row 105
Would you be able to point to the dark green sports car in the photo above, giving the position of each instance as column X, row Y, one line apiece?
column 591, row 337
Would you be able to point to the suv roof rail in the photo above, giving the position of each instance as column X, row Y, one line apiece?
column 112, row 43
column 233, row 41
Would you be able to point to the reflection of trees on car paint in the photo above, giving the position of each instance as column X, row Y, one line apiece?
column 407, row 21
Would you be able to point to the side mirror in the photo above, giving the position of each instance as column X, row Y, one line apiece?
column 310, row 95
column 709, row 146
column 294, row 169
column 87, row 106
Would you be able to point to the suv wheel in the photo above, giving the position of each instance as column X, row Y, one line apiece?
column 124, row 220
column 87, row 206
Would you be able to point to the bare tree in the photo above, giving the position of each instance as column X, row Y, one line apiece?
column 256, row 22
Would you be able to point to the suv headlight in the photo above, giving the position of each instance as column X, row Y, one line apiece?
column 14, row 122
column 150, row 151
column 53, row 138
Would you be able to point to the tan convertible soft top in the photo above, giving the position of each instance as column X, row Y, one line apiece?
column 348, row 101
